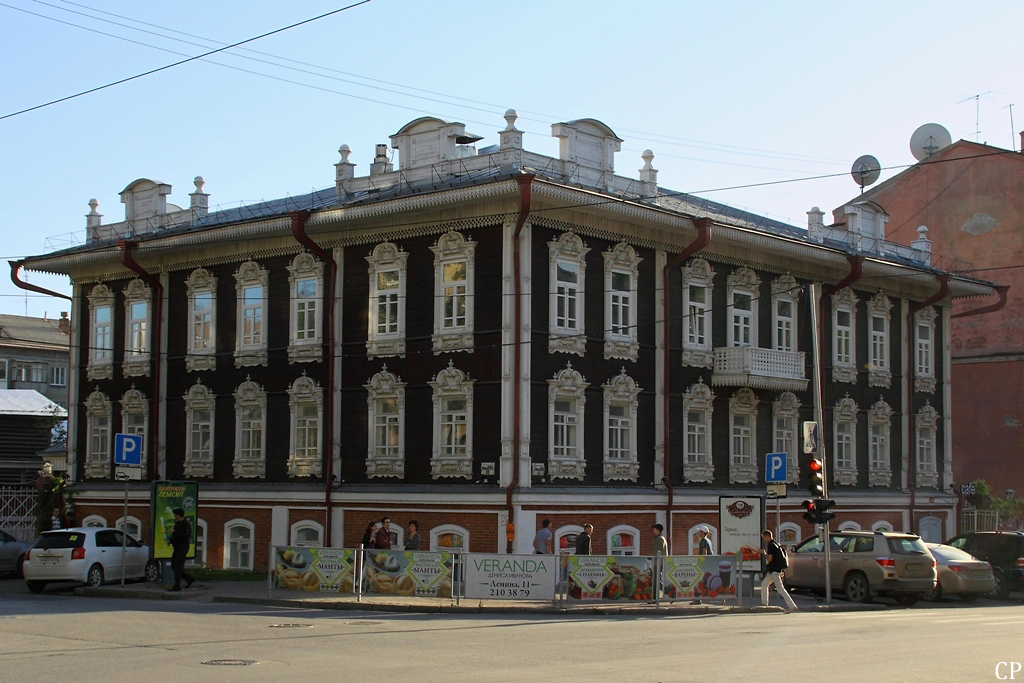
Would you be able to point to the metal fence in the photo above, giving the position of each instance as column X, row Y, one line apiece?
column 18, row 511
column 973, row 519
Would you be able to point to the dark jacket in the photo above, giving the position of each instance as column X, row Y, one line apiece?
column 583, row 544
column 181, row 537
column 776, row 563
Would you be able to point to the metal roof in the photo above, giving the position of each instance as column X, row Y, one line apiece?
column 28, row 402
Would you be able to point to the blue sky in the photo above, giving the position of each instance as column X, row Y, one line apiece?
column 726, row 94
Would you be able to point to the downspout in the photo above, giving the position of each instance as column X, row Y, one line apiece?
column 126, row 248
column 16, row 266
column 991, row 308
column 702, row 240
column 299, row 219
column 943, row 279
column 525, row 181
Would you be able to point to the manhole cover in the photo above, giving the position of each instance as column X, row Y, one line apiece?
column 230, row 662
column 365, row 623
column 291, row 626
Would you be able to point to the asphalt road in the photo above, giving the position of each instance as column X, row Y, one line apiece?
column 59, row 636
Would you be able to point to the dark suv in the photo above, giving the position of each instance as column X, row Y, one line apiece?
column 1004, row 550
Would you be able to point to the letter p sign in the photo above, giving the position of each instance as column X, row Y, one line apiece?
column 128, row 450
column 775, row 468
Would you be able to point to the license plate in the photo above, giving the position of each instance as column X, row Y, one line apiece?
column 49, row 559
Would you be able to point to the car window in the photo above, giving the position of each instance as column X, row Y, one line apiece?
column 5, row 537
column 811, row 545
column 840, row 544
column 907, row 545
column 108, row 539
column 999, row 547
column 863, row 544
column 951, row 554
column 59, row 539
column 958, row 542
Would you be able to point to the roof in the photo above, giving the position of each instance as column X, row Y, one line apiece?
column 28, row 402
column 19, row 329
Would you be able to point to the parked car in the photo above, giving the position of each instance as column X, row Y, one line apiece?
column 960, row 574
column 1004, row 550
column 89, row 555
column 865, row 564
column 12, row 553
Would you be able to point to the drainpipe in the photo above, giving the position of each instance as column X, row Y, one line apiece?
column 299, row 219
column 127, row 248
column 703, row 226
column 16, row 266
column 991, row 308
column 943, row 279
column 525, row 181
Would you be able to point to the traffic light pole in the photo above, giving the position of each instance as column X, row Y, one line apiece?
column 819, row 398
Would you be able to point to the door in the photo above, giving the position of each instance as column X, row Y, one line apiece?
column 807, row 565
column 108, row 542
column 842, row 557
column 134, row 556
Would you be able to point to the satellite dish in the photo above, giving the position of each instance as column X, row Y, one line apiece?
column 928, row 139
column 865, row 170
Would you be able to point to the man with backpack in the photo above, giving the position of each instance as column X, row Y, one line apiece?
column 776, row 563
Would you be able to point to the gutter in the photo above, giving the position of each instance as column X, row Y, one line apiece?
column 991, row 308
column 16, row 266
column 299, row 219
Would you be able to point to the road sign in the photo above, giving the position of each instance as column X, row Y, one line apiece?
column 775, row 468
column 812, row 435
column 123, row 473
column 776, row 490
column 128, row 450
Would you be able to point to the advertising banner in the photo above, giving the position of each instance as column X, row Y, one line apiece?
column 699, row 576
column 328, row 570
column 741, row 520
column 610, row 577
column 408, row 573
column 510, row 577
column 166, row 496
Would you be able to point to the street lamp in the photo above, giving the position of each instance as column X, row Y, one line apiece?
column 47, row 469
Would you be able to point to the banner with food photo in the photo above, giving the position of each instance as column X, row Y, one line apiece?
column 510, row 577
column 741, row 522
column 329, row 570
column 699, row 576
column 610, row 577
column 408, row 573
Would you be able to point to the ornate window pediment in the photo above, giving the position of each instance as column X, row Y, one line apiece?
column 453, row 424
column 620, row 413
column 385, row 455
column 306, row 284
column 251, row 281
column 698, row 285
column 306, row 406
column 388, row 273
column 698, row 406
column 566, row 400
column 101, row 339
column 743, row 437
column 454, row 302
column 567, row 268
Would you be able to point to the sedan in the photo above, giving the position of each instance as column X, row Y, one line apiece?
column 89, row 555
column 12, row 553
column 960, row 574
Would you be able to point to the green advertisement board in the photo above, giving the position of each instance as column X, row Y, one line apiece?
column 315, row 569
column 166, row 496
column 407, row 573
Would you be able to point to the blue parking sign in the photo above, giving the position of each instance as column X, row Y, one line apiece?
column 128, row 450
column 775, row 468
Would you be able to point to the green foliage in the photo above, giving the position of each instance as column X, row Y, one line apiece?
column 49, row 495
column 1009, row 510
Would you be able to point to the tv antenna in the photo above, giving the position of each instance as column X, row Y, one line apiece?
column 865, row 171
column 1013, row 131
column 977, row 111
column 928, row 139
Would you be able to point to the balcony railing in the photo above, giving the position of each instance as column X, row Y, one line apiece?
column 748, row 366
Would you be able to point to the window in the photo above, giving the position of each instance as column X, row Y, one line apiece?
column 3, row 370
column 924, row 356
column 620, row 410
column 565, row 420
column 743, row 437
column 927, row 461
column 881, row 525
column 307, row 533
column 694, row 541
column 567, row 256
column 785, row 291
column 251, row 292
column 202, row 321
column 789, row 534
column 386, row 320
column 698, row 404
column 623, row 540
column 879, row 424
column 133, row 527
column 101, row 350
column 200, row 410
column 250, row 435
column 785, row 415
column 454, row 269
column 136, row 341
column 94, row 521
column 453, row 424
column 844, row 352
column 844, row 440
column 449, row 538
column 200, row 532
column 306, row 405
column 697, row 288
column 621, row 270
column 742, row 295
column 239, row 536
column 879, row 373
column 306, row 284
column 97, row 417
column 59, row 377
column 135, row 418
column 850, row 525
column 386, row 451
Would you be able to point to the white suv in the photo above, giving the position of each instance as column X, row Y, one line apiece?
column 89, row 555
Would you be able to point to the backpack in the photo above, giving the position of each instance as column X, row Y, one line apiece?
column 782, row 561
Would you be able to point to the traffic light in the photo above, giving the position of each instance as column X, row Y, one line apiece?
column 811, row 514
column 821, row 507
column 816, row 483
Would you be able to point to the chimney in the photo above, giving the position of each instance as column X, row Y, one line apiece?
column 380, row 164
column 64, row 324
column 200, row 200
column 923, row 244
column 816, row 225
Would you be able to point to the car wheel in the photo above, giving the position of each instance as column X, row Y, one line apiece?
column 1002, row 590
column 934, row 595
column 19, row 571
column 152, row 571
column 94, row 578
column 36, row 586
column 857, row 588
column 970, row 597
column 906, row 599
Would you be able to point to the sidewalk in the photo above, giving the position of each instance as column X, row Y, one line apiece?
column 257, row 593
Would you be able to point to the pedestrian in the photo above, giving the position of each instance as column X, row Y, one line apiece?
column 181, row 539
column 660, row 544
column 382, row 539
column 704, row 546
column 544, row 541
column 776, row 563
column 367, row 541
column 412, row 541
column 583, row 540
column 55, row 521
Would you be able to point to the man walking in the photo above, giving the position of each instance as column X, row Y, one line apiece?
column 583, row 540
column 544, row 542
column 704, row 543
column 776, row 561
column 660, row 544
column 181, row 539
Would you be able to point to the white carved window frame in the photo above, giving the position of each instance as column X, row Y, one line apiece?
column 98, row 415
column 199, row 397
column 844, row 361
column 786, row 439
column 451, row 384
column 621, row 259
column 448, row 530
column 568, row 249
column 844, row 415
column 698, row 466
column 879, row 369
column 94, row 521
column 201, row 353
column 248, row 396
column 925, row 450
column 202, row 544
column 385, row 258
column 239, row 545
column 742, row 282
column 134, row 404
column 693, row 543
column 385, row 386
column 785, row 290
column 101, row 351
column 305, row 342
column 924, row 350
column 789, row 534
column 452, row 248
column 303, row 393
column 743, row 439
column 623, row 530
column 568, row 385
column 306, row 525
column 879, row 437
column 250, row 274
column 138, row 312
column 621, row 392
column 698, row 273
